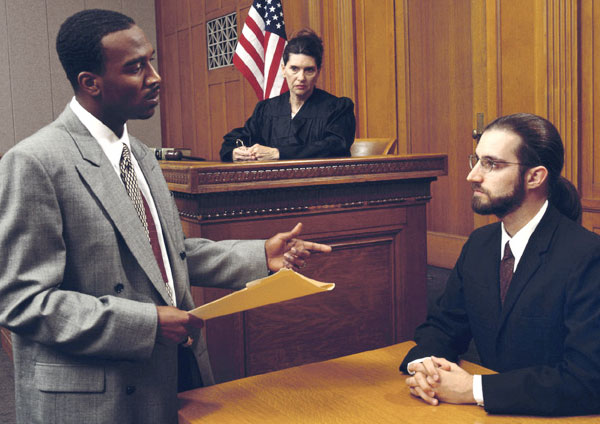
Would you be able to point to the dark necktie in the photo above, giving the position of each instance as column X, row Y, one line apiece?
column 506, row 270
column 143, row 210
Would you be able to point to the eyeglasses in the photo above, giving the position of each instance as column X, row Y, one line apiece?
column 487, row 164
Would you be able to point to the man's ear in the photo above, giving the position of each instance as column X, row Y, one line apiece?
column 89, row 83
column 536, row 176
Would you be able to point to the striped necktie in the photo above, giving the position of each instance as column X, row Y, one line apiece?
column 506, row 270
column 141, row 207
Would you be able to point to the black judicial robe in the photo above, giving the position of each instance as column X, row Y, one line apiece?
column 545, row 340
column 323, row 127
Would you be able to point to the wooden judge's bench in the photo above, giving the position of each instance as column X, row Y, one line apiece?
column 371, row 210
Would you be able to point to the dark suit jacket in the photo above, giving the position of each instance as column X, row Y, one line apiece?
column 545, row 340
column 323, row 127
column 79, row 282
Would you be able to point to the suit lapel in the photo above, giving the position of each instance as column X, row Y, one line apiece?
column 532, row 259
column 97, row 172
column 489, row 264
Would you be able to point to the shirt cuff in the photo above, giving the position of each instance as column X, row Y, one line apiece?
column 477, row 389
column 416, row 361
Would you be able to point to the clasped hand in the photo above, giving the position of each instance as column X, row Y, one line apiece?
column 437, row 379
column 256, row 152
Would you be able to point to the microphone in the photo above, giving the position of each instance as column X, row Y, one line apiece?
column 169, row 153
column 177, row 155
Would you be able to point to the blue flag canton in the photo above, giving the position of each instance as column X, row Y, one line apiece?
column 272, row 13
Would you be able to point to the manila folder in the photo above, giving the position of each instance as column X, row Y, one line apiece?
column 285, row 284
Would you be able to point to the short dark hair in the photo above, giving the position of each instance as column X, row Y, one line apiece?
column 306, row 42
column 541, row 144
column 79, row 40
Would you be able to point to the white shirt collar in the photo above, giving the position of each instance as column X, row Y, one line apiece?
column 108, row 140
column 519, row 241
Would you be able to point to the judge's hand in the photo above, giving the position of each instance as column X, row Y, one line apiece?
column 242, row 154
column 260, row 152
column 455, row 384
column 284, row 250
column 175, row 325
column 422, row 384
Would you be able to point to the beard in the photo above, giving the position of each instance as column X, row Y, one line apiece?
column 499, row 206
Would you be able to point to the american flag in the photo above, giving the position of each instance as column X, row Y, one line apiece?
column 260, row 47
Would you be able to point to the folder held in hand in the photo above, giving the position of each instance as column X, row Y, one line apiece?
column 283, row 285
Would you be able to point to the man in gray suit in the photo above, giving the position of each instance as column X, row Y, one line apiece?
column 95, row 272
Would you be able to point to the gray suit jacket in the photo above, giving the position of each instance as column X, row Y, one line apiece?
column 79, row 282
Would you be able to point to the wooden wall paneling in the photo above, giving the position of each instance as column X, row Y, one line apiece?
column 337, row 31
column 441, row 106
column 183, row 14
column 563, row 85
column 317, row 15
column 202, row 138
column 172, row 132
column 168, row 16
column 211, row 6
column 296, row 16
column 187, row 88
column 376, row 69
column 223, row 113
column 521, row 47
column 345, row 51
column 234, row 113
column 591, row 220
column 217, row 113
column 484, row 74
column 590, row 114
column 493, row 60
column 197, row 12
column 361, row 71
column 327, row 30
column 229, row 4
column 160, row 45
column 186, row 133
column 545, row 42
column 403, row 140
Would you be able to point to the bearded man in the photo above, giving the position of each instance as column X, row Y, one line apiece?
column 526, row 289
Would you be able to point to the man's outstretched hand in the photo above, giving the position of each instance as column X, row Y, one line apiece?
column 284, row 250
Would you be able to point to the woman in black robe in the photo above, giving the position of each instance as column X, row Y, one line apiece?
column 304, row 122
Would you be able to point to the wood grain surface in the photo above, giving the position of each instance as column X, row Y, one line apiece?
column 362, row 388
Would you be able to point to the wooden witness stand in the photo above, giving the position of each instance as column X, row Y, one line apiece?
column 362, row 388
column 372, row 211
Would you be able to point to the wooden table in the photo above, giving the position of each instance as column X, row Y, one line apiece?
column 371, row 210
column 361, row 388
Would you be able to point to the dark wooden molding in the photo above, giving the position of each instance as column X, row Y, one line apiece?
column 278, row 188
column 205, row 177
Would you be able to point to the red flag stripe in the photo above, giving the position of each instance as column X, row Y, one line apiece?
column 260, row 48
column 247, row 73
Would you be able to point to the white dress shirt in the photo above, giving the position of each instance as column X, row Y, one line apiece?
column 113, row 148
